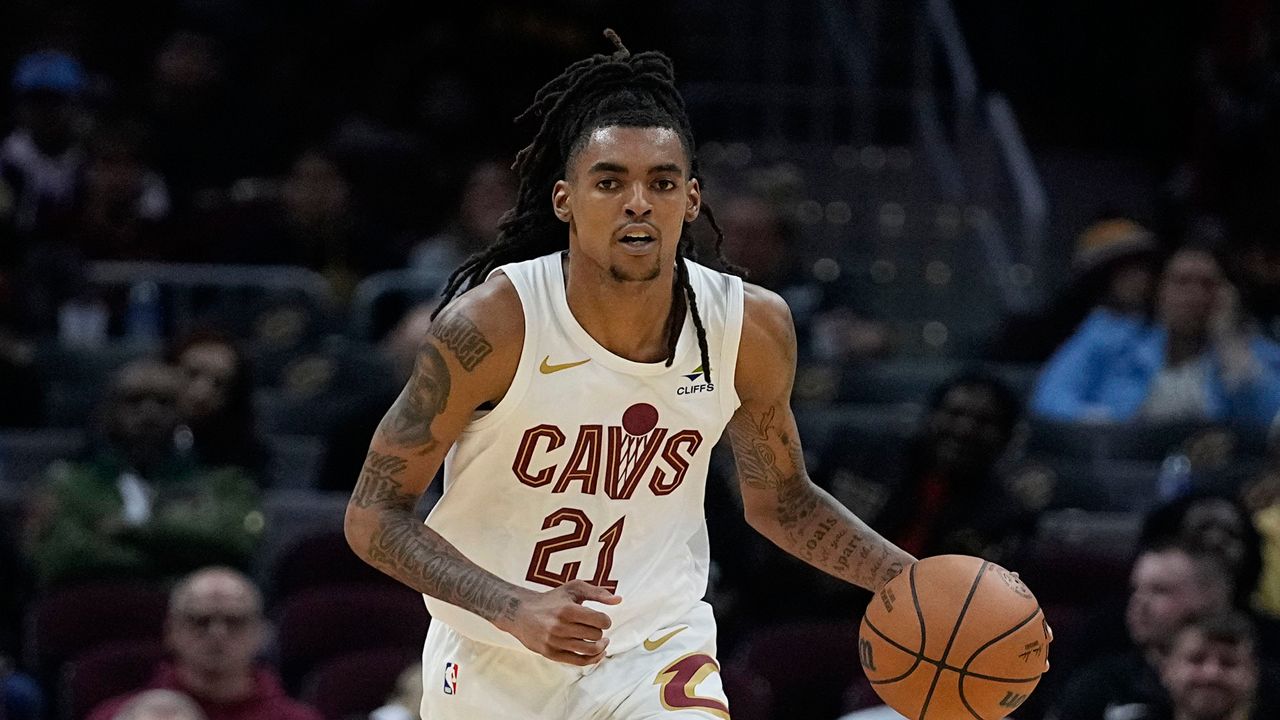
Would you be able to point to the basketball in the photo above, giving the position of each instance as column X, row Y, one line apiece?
column 954, row 637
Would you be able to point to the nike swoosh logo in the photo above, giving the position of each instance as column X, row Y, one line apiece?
column 546, row 368
column 652, row 645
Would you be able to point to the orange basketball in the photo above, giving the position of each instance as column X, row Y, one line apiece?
column 954, row 637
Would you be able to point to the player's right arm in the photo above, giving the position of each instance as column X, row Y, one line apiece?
column 468, row 359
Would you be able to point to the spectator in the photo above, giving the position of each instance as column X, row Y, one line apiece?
column 1195, row 361
column 215, row 404
column 312, row 220
column 1214, row 524
column 827, row 326
column 204, row 138
column 949, row 496
column 134, row 506
column 214, row 633
column 120, row 203
column 489, row 192
column 40, row 161
column 1112, row 274
column 160, row 705
column 1170, row 585
column 1212, row 672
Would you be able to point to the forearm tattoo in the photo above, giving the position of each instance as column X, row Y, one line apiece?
column 813, row 525
column 463, row 339
column 417, row 555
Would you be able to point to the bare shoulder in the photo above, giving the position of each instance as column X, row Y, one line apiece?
column 482, row 331
column 767, row 352
column 765, row 312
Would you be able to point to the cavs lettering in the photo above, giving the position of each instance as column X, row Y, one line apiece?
column 613, row 459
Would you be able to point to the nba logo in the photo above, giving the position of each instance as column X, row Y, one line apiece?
column 450, row 678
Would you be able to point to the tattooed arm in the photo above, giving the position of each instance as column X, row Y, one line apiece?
column 467, row 360
column 780, row 500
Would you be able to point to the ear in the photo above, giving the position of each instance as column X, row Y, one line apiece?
column 694, row 200
column 560, row 201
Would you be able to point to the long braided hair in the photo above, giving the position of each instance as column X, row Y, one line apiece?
column 617, row 90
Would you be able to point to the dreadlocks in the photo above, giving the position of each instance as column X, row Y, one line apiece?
column 600, row 91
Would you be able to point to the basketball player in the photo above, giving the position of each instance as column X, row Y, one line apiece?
column 573, row 385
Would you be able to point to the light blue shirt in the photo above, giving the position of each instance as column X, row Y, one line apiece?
column 1105, row 371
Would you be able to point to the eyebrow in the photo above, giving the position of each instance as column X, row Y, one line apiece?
column 612, row 167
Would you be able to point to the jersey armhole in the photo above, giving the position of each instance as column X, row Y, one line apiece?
column 729, row 400
column 520, row 382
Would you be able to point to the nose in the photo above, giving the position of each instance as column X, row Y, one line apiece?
column 638, row 205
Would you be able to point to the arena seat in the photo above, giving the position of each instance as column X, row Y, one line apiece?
column 111, row 669
column 68, row 621
column 25, row 454
column 321, row 560
column 318, row 624
column 356, row 683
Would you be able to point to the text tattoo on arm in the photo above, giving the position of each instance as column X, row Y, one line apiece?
column 817, row 528
column 463, row 339
column 404, row 547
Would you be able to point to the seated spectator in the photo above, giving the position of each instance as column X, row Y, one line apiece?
column 949, row 498
column 1212, row 672
column 312, row 219
column 489, row 192
column 1112, row 272
column 945, row 496
column 215, row 404
column 41, row 160
column 828, row 326
column 160, row 705
column 214, row 634
column 1196, row 360
column 120, row 203
column 1170, row 585
column 1215, row 524
column 1262, row 498
column 134, row 506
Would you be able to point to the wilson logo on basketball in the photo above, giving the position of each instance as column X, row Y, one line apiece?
column 619, row 457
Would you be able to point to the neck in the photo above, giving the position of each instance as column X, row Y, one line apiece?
column 214, row 686
column 628, row 318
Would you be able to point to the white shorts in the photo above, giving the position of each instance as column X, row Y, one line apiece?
column 673, row 674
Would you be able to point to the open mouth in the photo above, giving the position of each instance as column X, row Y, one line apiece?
column 636, row 239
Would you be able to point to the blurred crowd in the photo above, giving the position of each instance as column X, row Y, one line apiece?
column 171, row 555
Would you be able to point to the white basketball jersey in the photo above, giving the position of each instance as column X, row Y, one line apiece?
column 592, row 466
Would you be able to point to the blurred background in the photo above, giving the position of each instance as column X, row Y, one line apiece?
column 1032, row 251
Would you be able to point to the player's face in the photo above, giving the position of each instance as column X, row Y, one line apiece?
column 626, row 197
column 1207, row 678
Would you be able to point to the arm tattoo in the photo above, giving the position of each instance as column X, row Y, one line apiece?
column 757, row 464
column 463, row 338
column 378, row 483
column 418, row 555
column 409, row 422
column 813, row 525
